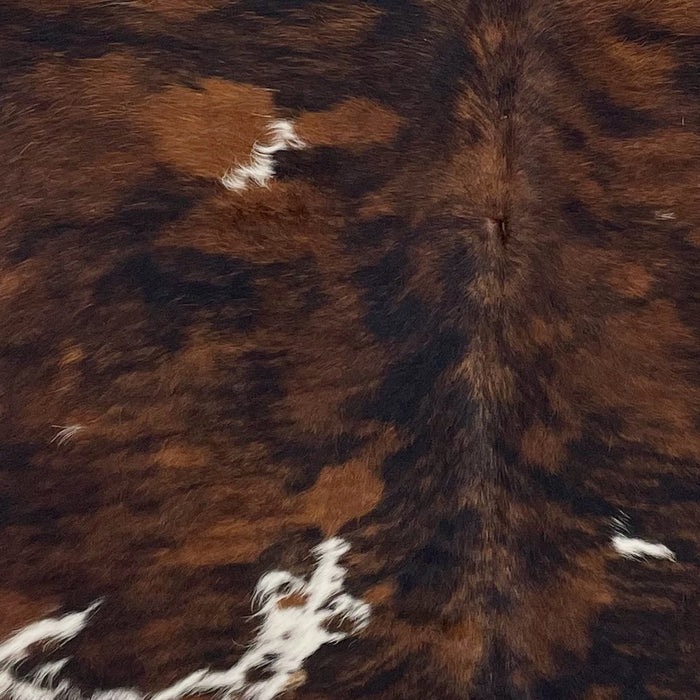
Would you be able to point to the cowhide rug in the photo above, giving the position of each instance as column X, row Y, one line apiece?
column 348, row 349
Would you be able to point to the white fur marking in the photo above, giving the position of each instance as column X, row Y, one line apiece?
column 665, row 215
column 42, row 685
column 66, row 433
column 46, row 674
column 634, row 548
column 53, row 629
column 287, row 636
column 261, row 168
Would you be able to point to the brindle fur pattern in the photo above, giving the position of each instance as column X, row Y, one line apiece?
column 456, row 330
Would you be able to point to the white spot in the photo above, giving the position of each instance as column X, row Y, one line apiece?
column 634, row 548
column 66, row 432
column 261, row 167
column 665, row 215
column 288, row 635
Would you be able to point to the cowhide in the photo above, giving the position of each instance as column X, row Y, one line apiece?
column 348, row 350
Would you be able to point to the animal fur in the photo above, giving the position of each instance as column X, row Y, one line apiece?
column 417, row 276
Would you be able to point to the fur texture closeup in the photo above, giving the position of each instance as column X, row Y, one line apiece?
column 295, row 617
column 349, row 349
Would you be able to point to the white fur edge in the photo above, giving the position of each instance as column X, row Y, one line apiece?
column 287, row 636
column 261, row 168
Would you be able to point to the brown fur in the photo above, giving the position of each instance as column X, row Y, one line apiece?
column 458, row 329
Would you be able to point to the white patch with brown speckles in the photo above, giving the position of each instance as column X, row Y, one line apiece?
column 288, row 635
